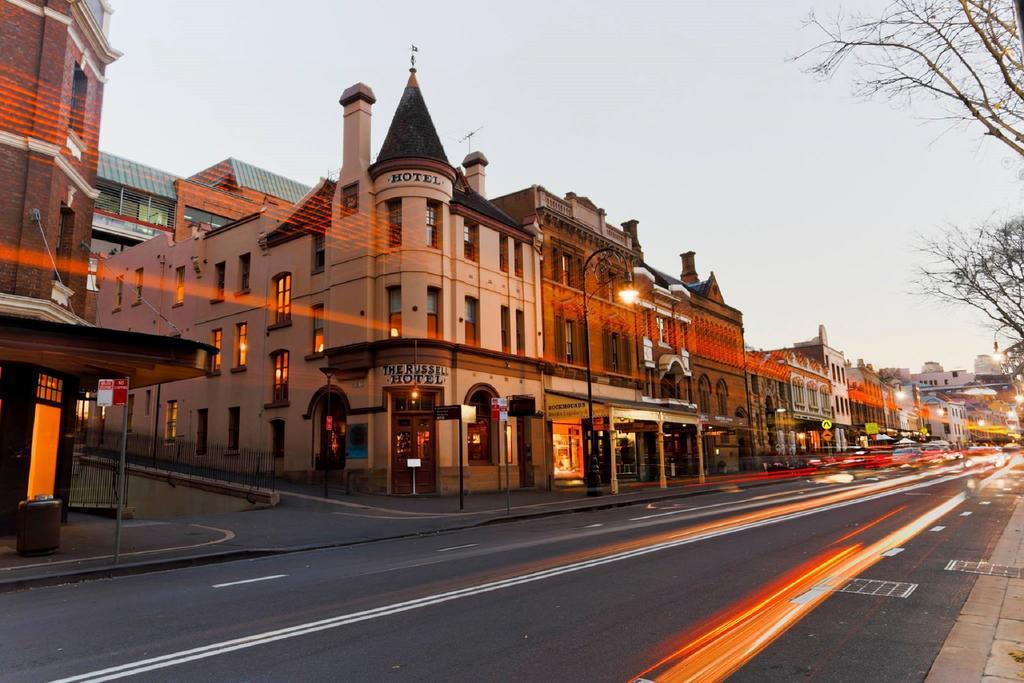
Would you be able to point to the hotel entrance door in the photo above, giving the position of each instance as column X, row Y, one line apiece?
column 412, row 437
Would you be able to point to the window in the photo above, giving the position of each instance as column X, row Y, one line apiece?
column 171, row 420
column 350, row 196
column 395, row 223
column 204, row 219
column 661, row 330
column 234, row 418
column 244, row 261
column 433, row 313
column 613, row 342
column 216, row 341
column 283, row 298
column 517, row 251
column 118, row 292
column 470, row 240
column 139, row 276
column 394, row 311
column 179, row 285
column 149, row 397
column 478, row 434
column 202, row 425
column 433, row 234
column 565, row 270
column 472, row 336
column 280, row 362
column 241, row 344
column 277, row 438
column 218, row 292
column 92, row 276
column 506, row 331
column 49, row 388
column 570, row 346
column 318, row 329
column 503, row 253
column 79, row 90
column 704, row 394
column 66, row 232
column 319, row 251
column 520, row 332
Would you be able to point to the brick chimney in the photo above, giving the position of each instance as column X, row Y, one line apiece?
column 689, row 274
column 357, row 102
column 475, row 164
column 630, row 228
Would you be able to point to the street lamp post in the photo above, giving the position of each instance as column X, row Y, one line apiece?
column 628, row 295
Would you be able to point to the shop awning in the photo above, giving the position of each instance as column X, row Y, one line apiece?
column 92, row 353
column 631, row 410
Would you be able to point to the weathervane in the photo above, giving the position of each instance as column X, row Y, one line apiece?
column 412, row 55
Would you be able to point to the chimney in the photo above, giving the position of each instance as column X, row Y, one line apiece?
column 630, row 229
column 475, row 163
column 357, row 101
column 689, row 274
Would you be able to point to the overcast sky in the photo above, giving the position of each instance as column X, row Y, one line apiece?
column 686, row 115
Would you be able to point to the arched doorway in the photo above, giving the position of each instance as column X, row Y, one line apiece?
column 479, row 442
column 331, row 420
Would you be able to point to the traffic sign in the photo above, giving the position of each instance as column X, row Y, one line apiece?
column 826, row 424
column 499, row 409
column 870, row 427
column 826, row 436
column 112, row 392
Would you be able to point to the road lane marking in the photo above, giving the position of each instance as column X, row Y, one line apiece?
column 662, row 514
column 985, row 502
column 937, row 528
column 966, row 513
column 457, row 547
column 590, row 526
column 239, row 583
column 227, row 646
column 892, row 552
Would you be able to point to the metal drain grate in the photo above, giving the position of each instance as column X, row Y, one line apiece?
column 985, row 568
column 888, row 589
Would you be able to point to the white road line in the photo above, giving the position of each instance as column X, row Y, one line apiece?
column 457, row 547
column 591, row 526
column 662, row 514
column 226, row 646
column 967, row 513
column 985, row 502
column 891, row 552
column 937, row 528
column 239, row 583
column 949, row 565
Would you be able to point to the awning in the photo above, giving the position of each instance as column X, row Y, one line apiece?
column 92, row 353
column 570, row 405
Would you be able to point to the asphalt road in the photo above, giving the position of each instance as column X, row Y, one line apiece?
column 609, row 595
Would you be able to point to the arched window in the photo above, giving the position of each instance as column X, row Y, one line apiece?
column 478, row 434
column 282, row 297
column 669, row 386
column 798, row 391
column 812, row 394
column 704, row 394
column 722, row 397
column 825, row 403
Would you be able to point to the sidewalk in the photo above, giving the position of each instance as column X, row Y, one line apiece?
column 987, row 641
column 306, row 520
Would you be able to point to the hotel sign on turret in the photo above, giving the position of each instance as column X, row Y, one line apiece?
column 419, row 179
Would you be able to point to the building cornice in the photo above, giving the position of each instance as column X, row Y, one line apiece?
column 380, row 168
column 94, row 33
column 37, row 309
column 31, row 144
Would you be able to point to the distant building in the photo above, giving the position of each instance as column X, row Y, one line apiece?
column 933, row 375
column 945, row 418
column 985, row 365
column 819, row 349
column 794, row 393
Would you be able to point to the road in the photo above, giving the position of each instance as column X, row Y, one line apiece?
column 743, row 584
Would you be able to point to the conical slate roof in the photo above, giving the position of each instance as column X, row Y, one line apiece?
column 412, row 132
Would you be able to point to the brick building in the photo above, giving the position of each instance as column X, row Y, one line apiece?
column 718, row 360
column 52, row 65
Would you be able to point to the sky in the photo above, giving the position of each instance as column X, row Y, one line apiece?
column 808, row 203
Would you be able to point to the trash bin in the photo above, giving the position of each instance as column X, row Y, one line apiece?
column 38, row 526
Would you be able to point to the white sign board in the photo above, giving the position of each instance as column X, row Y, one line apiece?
column 112, row 392
column 413, row 462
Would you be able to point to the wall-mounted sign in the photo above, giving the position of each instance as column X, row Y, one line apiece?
column 418, row 178
column 415, row 373
column 561, row 408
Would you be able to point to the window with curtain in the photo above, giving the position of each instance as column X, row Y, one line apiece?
column 318, row 328
column 279, row 360
column 283, row 298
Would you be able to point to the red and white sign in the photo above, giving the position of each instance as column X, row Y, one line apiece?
column 499, row 408
column 112, row 392
column 330, row 422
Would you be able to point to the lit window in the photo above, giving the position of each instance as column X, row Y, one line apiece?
column 318, row 329
column 171, row 420
column 570, row 346
column 241, row 344
column 283, row 298
column 394, row 311
column 179, row 285
column 49, row 388
column 280, row 362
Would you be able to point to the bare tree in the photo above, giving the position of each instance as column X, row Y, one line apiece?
column 982, row 269
column 963, row 55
